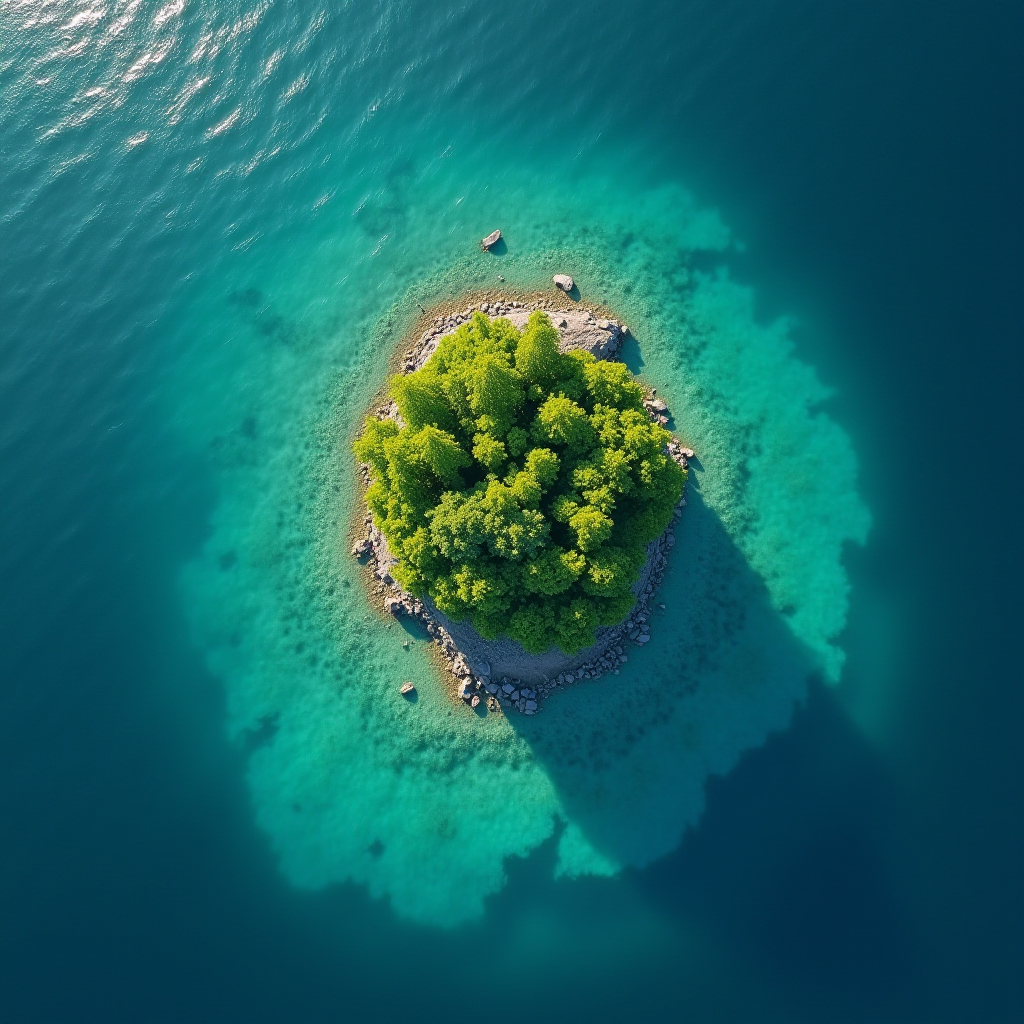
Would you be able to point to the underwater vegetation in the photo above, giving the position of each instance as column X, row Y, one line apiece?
column 424, row 804
column 524, row 484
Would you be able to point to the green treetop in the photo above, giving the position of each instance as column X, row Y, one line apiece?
column 524, row 485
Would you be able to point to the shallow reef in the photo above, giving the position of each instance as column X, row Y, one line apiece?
column 423, row 801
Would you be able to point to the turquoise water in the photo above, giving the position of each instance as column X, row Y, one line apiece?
column 358, row 784
column 218, row 222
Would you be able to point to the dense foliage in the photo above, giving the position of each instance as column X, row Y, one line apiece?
column 524, row 485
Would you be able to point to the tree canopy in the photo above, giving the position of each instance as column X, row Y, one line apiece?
column 523, row 485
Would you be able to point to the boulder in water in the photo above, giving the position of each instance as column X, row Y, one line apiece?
column 491, row 239
column 563, row 281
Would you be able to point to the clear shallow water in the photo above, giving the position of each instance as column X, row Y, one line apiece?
column 216, row 223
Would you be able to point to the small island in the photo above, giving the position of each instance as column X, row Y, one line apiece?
column 521, row 491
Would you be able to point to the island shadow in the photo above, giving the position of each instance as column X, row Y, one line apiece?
column 792, row 862
column 629, row 755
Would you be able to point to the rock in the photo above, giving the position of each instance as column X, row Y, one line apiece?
column 491, row 239
column 361, row 547
column 531, row 705
column 686, row 452
column 570, row 678
column 507, row 688
column 656, row 404
column 394, row 605
column 514, row 695
column 492, row 687
column 465, row 689
column 482, row 668
column 563, row 281
column 407, row 689
column 475, row 701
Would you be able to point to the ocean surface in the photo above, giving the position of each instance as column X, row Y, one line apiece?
column 802, row 801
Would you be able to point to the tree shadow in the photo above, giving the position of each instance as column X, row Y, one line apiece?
column 789, row 862
column 629, row 755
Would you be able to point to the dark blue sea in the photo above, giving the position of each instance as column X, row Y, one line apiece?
column 802, row 802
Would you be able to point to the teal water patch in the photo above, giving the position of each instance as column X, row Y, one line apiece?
column 424, row 802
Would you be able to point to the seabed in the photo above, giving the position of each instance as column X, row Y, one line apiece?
column 423, row 802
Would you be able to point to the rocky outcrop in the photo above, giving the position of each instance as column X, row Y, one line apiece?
column 577, row 329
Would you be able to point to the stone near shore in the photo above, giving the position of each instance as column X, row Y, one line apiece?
column 408, row 689
column 492, row 239
column 563, row 281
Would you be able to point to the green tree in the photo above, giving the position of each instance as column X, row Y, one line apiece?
column 520, row 485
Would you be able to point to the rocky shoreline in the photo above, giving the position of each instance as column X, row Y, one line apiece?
column 500, row 674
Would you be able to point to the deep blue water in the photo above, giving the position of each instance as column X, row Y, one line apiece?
column 862, row 866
